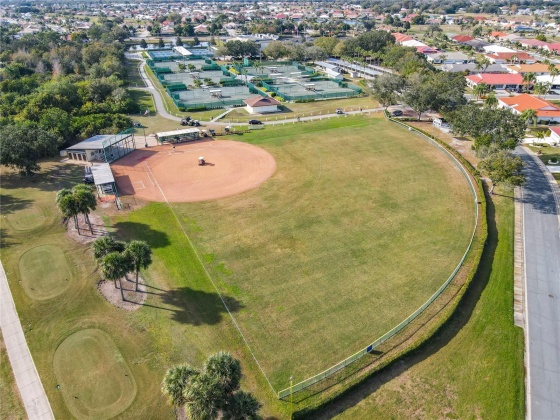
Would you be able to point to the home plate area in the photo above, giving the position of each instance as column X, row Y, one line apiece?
column 173, row 172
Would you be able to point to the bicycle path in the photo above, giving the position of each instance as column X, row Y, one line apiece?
column 31, row 389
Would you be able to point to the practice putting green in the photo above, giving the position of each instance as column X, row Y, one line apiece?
column 94, row 378
column 26, row 219
column 44, row 272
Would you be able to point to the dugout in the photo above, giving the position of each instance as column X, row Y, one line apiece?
column 103, row 147
column 179, row 136
column 105, row 183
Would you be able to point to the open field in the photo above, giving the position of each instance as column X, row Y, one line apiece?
column 144, row 100
column 134, row 77
column 11, row 407
column 182, row 319
column 316, row 247
column 328, row 221
column 473, row 368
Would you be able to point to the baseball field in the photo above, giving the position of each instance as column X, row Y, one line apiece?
column 356, row 225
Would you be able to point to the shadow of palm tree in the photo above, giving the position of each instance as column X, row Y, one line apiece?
column 11, row 204
column 135, row 230
column 197, row 307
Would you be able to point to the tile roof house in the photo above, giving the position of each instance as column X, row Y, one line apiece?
column 462, row 38
column 538, row 68
column 511, row 57
column 496, row 81
column 517, row 104
column 261, row 105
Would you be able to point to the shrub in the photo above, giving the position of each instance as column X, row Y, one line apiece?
column 196, row 108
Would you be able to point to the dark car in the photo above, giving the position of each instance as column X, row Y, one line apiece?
column 255, row 122
column 339, row 111
column 396, row 113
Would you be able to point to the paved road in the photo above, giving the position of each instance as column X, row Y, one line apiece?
column 542, row 302
column 31, row 389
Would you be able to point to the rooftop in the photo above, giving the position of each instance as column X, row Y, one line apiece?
column 258, row 101
column 525, row 101
column 96, row 142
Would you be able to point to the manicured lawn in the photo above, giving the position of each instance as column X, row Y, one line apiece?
column 293, row 110
column 134, row 77
column 11, row 407
column 474, row 367
column 144, row 99
column 340, row 233
column 94, row 379
column 321, row 259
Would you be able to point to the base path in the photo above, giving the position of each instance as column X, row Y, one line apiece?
column 31, row 389
column 541, row 232
column 165, row 173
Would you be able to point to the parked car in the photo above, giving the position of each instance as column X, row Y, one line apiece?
column 137, row 124
column 339, row 111
column 255, row 122
column 396, row 113
column 185, row 121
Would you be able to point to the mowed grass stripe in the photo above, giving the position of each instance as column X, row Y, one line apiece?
column 359, row 225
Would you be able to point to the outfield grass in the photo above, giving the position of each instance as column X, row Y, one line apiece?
column 473, row 368
column 340, row 233
column 11, row 406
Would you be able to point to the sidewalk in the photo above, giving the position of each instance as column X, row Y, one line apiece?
column 29, row 384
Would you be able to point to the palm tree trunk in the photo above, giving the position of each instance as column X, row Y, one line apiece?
column 88, row 222
column 77, row 224
column 122, row 291
column 115, row 281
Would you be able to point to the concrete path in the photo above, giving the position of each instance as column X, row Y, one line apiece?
column 29, row 384
column 541, row 225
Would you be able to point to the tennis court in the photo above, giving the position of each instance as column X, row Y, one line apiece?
column 188, row 78
column 174, row 65
column 160, row 54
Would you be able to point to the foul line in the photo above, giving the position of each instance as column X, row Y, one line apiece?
column 210, row 278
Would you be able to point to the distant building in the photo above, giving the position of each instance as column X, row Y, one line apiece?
column 496, row 81
column 261, row 105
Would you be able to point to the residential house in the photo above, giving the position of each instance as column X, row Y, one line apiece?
column 461, row 39
column 474, row 68
column 496, row 81
column 538, row 69
column 544, row 109
column 450, row 58
column 511, row 57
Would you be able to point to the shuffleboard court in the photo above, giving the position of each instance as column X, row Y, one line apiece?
column 165, row 173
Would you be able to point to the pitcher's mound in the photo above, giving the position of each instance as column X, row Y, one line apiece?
column 164, row 173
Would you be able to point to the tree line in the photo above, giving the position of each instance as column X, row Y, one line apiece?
column 55, row 92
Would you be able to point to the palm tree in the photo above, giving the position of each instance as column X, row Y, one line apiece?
column 86, row 200
column 213, row 392
column 105, row 245
column 68, row 205
column 529, row 115
column 175, row 382
column 243, row 407
column 541, row 88
column 115, row 266
column 140, row 256
column 529, row 79
column 491, row 100
column 554, row 72
column 480, row 89
column 541, row 134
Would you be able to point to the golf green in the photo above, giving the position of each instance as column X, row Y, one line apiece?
column 44, row 272
column 26, row 219
column 94, row 378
